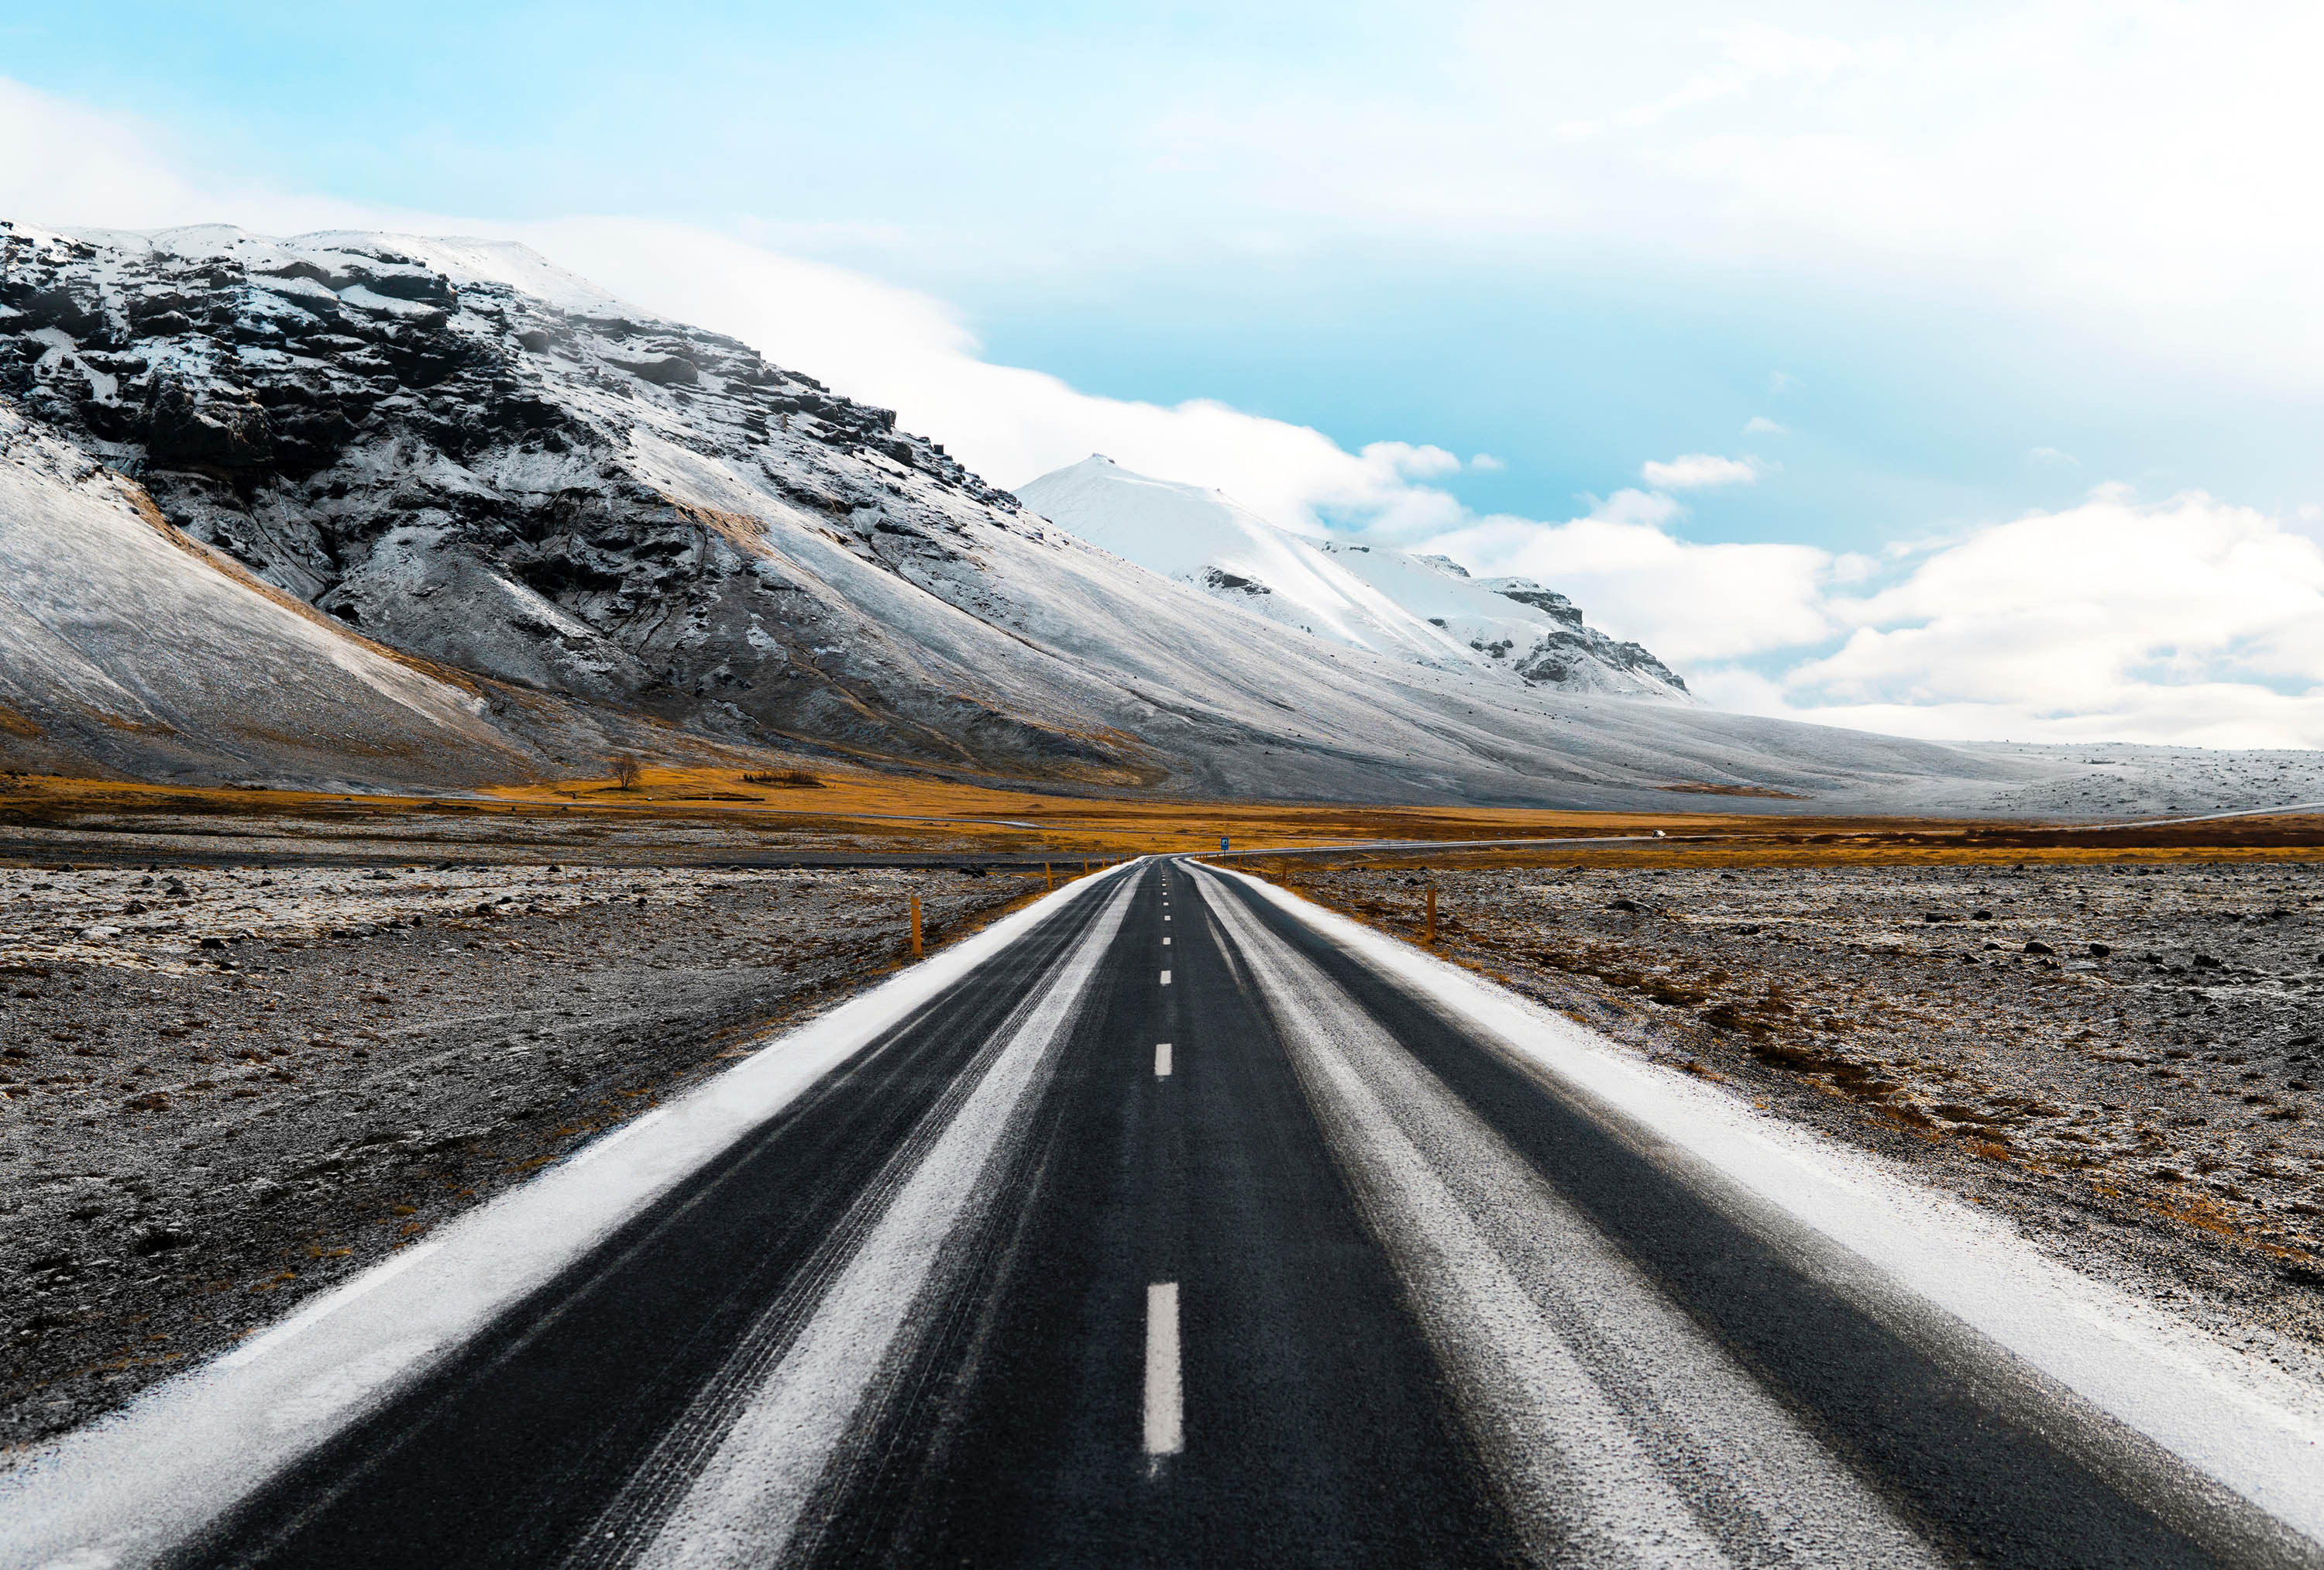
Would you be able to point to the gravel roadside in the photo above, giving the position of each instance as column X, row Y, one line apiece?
column 2123, row 1057
column 193, row 1139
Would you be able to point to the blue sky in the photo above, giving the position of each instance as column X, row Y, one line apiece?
column 1975, row 262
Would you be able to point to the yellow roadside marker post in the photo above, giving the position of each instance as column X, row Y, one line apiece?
column 1432, row 916
column 916, row 926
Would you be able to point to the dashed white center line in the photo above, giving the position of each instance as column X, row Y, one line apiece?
column 1166, row 942
column 1165, row 1419
column 1165, row 978
column 1161, row 1060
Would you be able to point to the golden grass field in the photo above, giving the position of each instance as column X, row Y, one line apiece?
column 865, row 811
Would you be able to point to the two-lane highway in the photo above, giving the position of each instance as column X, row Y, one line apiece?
column 1185, row 1228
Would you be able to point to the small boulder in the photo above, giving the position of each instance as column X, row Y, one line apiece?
column 2036, row 946
column 160, row 1237
column 661, row 370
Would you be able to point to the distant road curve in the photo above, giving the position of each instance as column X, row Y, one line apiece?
column 1371, row 845
column 2198, row 818
column 1378, row 845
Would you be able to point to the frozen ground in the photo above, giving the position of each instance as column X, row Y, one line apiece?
column 2122, row 1059
column 2120, row 781
column 195, row 1138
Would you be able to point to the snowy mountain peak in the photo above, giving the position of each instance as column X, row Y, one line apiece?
column 1203, row 539
column 1425, row 609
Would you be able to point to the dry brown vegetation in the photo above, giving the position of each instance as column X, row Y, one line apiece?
column 867, row 810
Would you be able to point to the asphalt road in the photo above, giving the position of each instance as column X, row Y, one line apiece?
column 1179, row 1235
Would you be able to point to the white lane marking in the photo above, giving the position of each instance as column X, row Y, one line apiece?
column 1594, row 1393
column 745, row 1504
column 1165, row 978
column 1161, row 1060
column 1165, row 918
column 1165, row 1415
column 1166, row 942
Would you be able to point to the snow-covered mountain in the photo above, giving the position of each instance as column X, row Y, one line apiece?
column 1424, row 609
column 435, row 509
column 1532, row 633
column 1210, row 542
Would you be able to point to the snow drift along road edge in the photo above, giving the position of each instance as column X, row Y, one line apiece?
column 122, row 1490
column 2254, row 1429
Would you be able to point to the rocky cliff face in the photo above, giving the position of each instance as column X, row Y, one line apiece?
column 1557, row 650
column 1512, row 626
column 495, row 476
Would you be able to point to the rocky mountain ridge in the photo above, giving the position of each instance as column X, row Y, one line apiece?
column 583, row 526
column 1535, row 633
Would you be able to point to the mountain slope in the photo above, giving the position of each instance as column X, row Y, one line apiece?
column 1206, row 540
column 1534, row 634
column 457, row 450
column 1425, row 610
column 119, row 637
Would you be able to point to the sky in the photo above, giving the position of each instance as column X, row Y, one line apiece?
column 1950, row 371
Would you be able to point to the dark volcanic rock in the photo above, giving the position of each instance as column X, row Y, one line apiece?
column 184, row 427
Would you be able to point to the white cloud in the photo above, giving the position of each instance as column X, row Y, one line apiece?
column 1781, row 382
column 2186, row 621
column 2051, row 457
column 2190, row 621
column 74, row 166
column 906, row 350
column 1485, row 463
column 1760, row 425
column 2124, row 165
column 1685, row 601
column 1693, row 470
